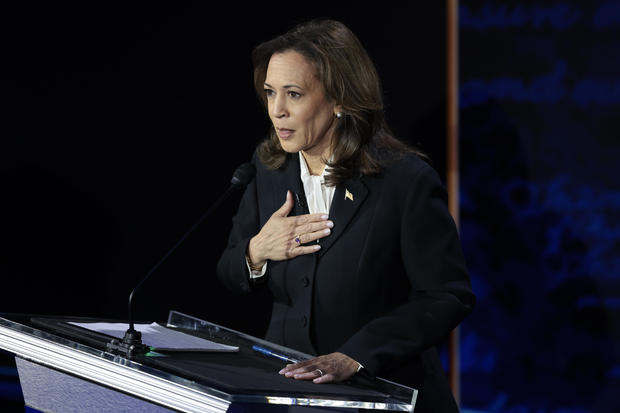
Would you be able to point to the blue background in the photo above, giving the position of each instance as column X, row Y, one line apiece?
column 540, row 205
column 117, row 112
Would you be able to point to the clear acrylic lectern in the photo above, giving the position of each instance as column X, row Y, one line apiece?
column 64, row 368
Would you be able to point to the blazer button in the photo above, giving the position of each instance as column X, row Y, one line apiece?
column 304, row 321
column 305, row 281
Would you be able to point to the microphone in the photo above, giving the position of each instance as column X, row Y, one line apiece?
column 131, row 345
column 301, row 200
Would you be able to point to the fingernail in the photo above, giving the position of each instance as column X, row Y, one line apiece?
column 317, row 247
column 329, row 224
column 281, row 371
column 327, row 231
column 324, row 216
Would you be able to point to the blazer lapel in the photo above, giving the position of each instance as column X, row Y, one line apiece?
column 290, row 179
column 348, row 198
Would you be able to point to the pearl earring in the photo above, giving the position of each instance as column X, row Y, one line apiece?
column 339, row 115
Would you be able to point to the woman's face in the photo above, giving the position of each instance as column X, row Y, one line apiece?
column 301, row 113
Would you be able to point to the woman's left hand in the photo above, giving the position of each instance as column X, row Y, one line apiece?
column 323, row 369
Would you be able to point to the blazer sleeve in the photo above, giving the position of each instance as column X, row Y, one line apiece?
column 232, row 270
column 440, row 295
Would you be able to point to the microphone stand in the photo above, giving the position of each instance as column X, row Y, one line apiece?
column 131, row 345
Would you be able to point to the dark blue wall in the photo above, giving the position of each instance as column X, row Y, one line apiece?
column 540, row 198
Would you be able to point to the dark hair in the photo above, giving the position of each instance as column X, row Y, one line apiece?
column 363, row 141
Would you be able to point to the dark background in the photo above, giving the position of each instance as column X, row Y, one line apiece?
column 126, row 121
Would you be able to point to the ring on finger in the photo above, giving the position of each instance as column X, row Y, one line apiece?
column 298, row 239
column 319, row 372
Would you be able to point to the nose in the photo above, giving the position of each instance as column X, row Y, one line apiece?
column 278, row 107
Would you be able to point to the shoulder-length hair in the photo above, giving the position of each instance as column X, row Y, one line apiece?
column 364, row 143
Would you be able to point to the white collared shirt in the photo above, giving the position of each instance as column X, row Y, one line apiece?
column 318, row 197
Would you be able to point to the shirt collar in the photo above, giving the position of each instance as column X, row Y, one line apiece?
column 305, row 172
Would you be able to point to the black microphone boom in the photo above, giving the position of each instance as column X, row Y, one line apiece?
column 132, row 345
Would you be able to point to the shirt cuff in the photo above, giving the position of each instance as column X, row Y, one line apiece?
column 254, row 273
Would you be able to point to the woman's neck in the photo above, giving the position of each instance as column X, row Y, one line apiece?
column 315, row 163
column 316, row 154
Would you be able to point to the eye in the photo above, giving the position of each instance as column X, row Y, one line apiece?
column 269, row 92
column 294, row 95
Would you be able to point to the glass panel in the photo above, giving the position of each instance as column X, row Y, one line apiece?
column 401, row 393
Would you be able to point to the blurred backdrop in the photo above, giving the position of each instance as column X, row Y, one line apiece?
column 125, row 122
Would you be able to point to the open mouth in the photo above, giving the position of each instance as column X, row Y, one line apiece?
column 284, row 133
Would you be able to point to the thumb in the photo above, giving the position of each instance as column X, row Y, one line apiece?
column 287, row 207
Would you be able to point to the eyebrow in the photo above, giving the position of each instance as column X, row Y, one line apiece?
column 285, row 86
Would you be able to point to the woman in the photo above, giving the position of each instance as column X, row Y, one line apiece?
column 346, row 225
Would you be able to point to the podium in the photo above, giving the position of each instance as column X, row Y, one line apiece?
column 65, row 368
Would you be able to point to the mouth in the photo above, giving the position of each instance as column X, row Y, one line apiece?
column 284, row 133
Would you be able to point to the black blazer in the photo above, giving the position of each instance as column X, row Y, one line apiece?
column 387, row 285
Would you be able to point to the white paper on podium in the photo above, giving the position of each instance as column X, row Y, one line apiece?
column 159, row 337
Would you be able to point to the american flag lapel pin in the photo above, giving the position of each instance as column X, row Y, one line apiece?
column 348, row 195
